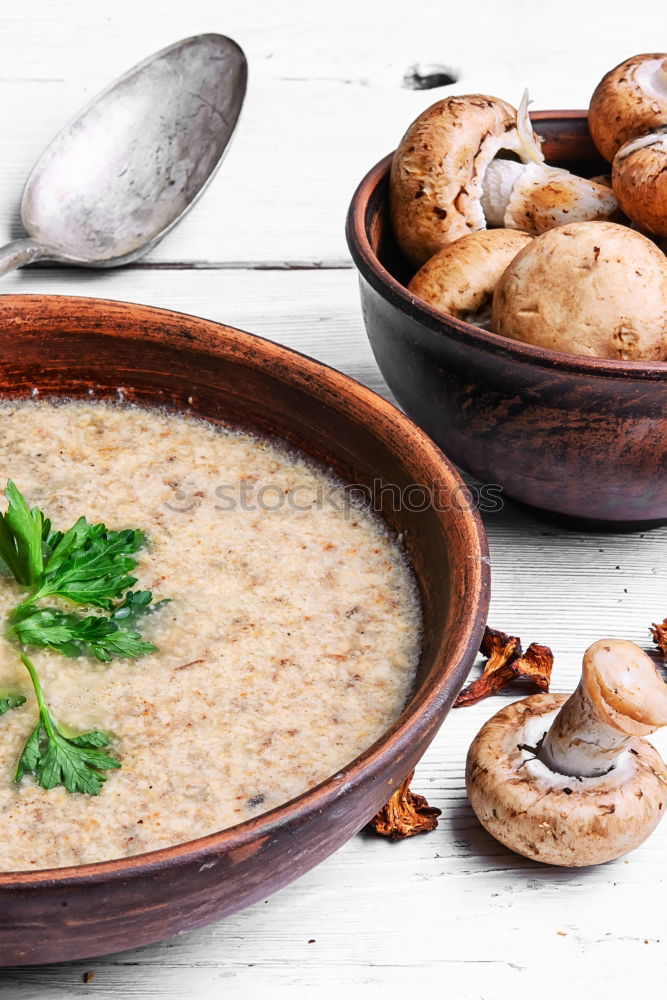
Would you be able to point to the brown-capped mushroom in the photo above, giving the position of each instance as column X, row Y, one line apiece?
column 572, row 781
column 629, row 101
column 451, row 176
column 639, row 177
column 460, row 279
column 591, row 288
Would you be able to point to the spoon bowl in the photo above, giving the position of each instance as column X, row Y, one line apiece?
column 125, row 170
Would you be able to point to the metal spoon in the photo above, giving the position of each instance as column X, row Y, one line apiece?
column 131, row 164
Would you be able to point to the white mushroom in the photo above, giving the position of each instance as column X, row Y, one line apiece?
column 536, row 198
column 472, row 161
column 460, row 279
column 591, row 288
column 628, row 102
column 572, row 781
column 639, row 177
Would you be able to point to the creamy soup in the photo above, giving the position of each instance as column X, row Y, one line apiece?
column 289, row 646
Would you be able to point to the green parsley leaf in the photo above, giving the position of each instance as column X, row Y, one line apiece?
column 21, row 536
column 90, row 565
column 8, row 701
column 134, row 605
column 76, row 762
column 29, row 758
column 73, row 635
column 92, row 739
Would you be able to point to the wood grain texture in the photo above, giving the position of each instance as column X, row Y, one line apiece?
column 452, row 911
column 324, row 101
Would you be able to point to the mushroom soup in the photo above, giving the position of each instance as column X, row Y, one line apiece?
column 289, row 645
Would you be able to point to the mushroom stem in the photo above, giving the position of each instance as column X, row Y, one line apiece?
column 579, row 743
column 620, row 696
column 534, row 197
column 500, row 178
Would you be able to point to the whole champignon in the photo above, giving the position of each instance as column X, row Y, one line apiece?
column 628, row 102
column 639, row 177
column 591, row 288
column 572, row 781
column 461, row 278
column 451, row 176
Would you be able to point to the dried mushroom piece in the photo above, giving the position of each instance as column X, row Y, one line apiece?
column 499, row 647
column 507, row 663
column 535, row 666
column 659, row 633
column 405, row 814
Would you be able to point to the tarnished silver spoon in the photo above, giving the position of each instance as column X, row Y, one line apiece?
column 128, row 167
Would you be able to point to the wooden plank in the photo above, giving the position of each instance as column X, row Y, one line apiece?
column 325, row 100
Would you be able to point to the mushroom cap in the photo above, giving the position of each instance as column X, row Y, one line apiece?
column 639, row 178
column 624, row 687
column 591, row 288
column 438, row 170
column 553, row 818
column 460, row 279
column 628, row 101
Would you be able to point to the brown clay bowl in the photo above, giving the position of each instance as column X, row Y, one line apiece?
column 577, row 436
column 68, row 346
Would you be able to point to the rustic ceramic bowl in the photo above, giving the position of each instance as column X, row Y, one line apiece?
column 78, row 347
column 578, row 436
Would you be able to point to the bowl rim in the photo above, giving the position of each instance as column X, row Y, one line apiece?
column 209, row 336
column 456, row 329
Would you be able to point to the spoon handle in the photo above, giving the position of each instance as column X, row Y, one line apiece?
column 21, row 252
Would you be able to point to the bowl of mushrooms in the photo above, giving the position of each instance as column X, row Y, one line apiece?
column 514, row 290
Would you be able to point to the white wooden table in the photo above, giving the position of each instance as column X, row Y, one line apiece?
column 264, row 250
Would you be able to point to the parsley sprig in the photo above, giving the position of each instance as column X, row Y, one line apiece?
column 73, row 635
column 90, row 566
column 77, row 762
